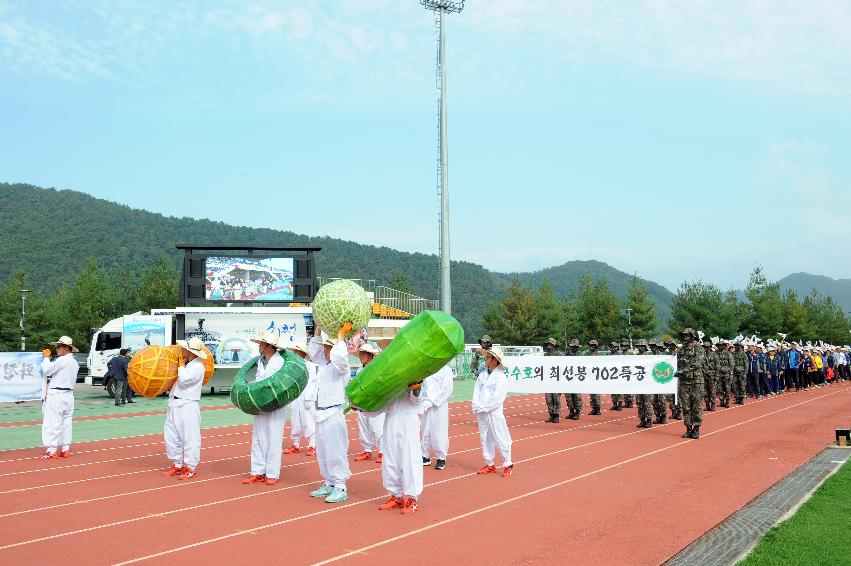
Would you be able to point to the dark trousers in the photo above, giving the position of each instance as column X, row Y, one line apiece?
column 753, row 384
column 765, row 383
column 792, row 378
column 804, row 379
column 123, row 393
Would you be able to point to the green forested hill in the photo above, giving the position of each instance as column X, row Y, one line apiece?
column 803, row 283
column 50, row 233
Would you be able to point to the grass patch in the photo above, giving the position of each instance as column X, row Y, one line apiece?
column 819, row 533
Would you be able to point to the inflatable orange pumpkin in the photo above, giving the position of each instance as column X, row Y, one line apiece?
column 153, row 370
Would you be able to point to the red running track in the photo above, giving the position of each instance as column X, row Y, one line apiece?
column 598, row 490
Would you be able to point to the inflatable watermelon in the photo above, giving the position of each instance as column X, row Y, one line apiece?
column 276, row 391
column 339, row 302
column 422, row 347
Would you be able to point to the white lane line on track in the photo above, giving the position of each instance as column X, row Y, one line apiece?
column 266, row 492
column 78, row 502
column 472, row 474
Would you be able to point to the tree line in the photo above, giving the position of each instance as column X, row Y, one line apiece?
column 526, row 316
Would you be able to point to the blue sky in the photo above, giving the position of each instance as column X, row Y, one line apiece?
column 678, row 140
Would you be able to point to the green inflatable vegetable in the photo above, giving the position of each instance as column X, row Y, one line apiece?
column 422, row 347
column 276, row 391
column 339, row 302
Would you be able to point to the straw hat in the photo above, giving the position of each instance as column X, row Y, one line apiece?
column 496, row 353
column 267, row 338
column 369, row 349
column 299, row 347
column 65, row 341
column 194, row 345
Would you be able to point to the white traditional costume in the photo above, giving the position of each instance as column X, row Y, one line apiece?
column 434, row 407
column 488, row 396
column 183, row 419
column 59, row 401
column 267, row 434
column 401, row 469
column 302, row 411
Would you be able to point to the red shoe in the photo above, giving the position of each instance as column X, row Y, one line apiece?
column 410, row 507
column 253, row 479
column 487, row 470
column 507, row 471
column 49, row 456
column 187, row 473
column 292, row 450
column 378, row 459
column 311, row 451
column 363, row 456
column 392, row 503
column 65, row 454
column 173, row 471
column 271, row 481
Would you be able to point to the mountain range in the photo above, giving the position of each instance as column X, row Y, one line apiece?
column 50, row 232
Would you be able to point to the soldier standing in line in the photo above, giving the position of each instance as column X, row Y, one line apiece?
column 710, row 375
column 574, row 400
column 659, row 410
column 675, row 404
column 477, row 364
column 594, row 398
column 553, row 399
column 725, row 371
column 740, row 369
column 617, row 401
column 690, row 367
column 644, row 401
column 625, row 351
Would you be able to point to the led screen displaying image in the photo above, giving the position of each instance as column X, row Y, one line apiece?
column 249, row 279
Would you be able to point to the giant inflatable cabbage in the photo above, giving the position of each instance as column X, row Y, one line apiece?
column 422, row 347
column 276, row 391
column 339, row 302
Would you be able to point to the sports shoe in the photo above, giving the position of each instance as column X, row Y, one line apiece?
column 65, row 454
column 392, row 503
column 337, row 495
column 49, row 456
column 363, row 456
column 426, row 461
column 440, row 464
column 271, row 481
column 379, row 458
column 254, row 479
column 173, row 471
column 322, row 491
column 487, row 470
column 187, row 473
column 410, row 507
column 507, row 471
column 292, row 450
column 311, row 451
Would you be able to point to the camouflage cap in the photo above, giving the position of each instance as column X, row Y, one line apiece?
column 641, row 343
column 625, row 343
column 551, row 341
column 613, row 345
column 593, row 343
column 574, row 343
column 669, row 343
column 485, row 338
column 707, row 343
column 688, row 332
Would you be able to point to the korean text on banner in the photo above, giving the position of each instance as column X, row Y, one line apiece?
column 21, row 378
column 591, row 374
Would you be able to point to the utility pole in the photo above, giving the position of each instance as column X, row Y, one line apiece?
column 629, row 325
column 441, row 7
column 23, row 316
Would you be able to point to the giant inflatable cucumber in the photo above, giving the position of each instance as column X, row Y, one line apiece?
column 276, row 391
column 422, row 347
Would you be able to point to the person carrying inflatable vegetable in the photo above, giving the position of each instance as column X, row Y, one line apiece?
column 488, row 396
column 332, row 435
column 183, row 418
column 267, row 434
column 370, row 425
column 401, row 471
column 58, row 399
column 302, row 417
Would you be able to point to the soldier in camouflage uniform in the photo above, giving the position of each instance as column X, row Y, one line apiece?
column 644, row 402
column 673, row 402
column 725, row 373
column 594, row 398
column 710, row 375
column 617, row 402
column 740, row 371
column 625, row 351
column 553, row 399
column 690, row 366
column 574, row 400
column 659, row 399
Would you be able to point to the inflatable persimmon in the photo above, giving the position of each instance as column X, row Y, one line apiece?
column 153, row 370
column 209, row 365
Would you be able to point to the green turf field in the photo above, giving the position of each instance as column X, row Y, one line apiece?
column 818, row 534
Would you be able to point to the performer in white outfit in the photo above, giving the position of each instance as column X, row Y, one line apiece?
column 488, row 396
column 370, row 425
column 303, row 409
column 332, row 434
column 267, row 434
column 401, row 470
column 183, row 418
column 59, row 399
column 434, row 407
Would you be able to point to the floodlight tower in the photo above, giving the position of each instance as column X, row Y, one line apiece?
column 440, row 7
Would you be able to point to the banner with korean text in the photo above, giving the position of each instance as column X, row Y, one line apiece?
column 591, row 374
column 20, row 376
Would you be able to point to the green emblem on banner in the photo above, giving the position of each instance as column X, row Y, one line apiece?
column 663, row 372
